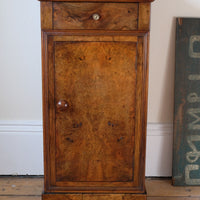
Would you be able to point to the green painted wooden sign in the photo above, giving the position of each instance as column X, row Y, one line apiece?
column 186, row 158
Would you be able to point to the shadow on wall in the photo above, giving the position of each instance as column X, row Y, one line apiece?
column 168, row 87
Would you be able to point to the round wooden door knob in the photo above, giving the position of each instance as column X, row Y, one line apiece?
column 62, row 104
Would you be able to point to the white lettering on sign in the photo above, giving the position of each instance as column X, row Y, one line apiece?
column 193, row 97
column 193, row 155
column 188, row 180
column 195, row 125
column 194, row 77
column 192, row 53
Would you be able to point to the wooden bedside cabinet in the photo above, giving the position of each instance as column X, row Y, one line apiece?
column 95, row 80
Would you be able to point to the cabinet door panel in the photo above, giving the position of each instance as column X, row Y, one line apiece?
column 93, row 138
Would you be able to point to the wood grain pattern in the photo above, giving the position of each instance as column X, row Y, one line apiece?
column 113, row 16
column 31, row 189
column 114, row 197
column 100, row 117
column 117, row 69
column 144, row 16
column 164, row 188
column 93, row 197
column 99, row 69
column 96, row 38
column 21, row 198
column 46, row 15
column 62, row 197
column 45, row 108
column 148, row 198
column 173, row 198
column 20, row 186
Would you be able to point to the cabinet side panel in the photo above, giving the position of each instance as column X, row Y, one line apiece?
column 48, row 109
column 45, row 107
column 141, row 105
column 145, row 75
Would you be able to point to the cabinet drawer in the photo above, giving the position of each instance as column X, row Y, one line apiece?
column 105, row 16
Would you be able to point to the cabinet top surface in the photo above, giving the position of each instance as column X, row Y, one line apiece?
column 139, row 1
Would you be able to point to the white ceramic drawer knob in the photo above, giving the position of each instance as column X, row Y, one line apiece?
column 96, row 16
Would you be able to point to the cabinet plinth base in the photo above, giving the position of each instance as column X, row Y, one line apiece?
column 94, row 197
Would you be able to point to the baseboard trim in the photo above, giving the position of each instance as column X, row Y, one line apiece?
column 153, row 129
column 159, row 129
column 20, row 126
column 21, row 148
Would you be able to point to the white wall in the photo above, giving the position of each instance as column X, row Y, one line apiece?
column 20, row 85
column 20, row 60
column 162, row 53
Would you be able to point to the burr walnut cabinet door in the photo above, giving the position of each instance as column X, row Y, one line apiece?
column 94, row 112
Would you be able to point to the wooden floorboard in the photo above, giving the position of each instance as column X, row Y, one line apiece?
column 21, row 186
column 173, row 198
column 26, row 188
column 160, row 188
column 20, row 198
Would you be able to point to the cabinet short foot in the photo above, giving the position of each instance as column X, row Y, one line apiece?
column 94, row 197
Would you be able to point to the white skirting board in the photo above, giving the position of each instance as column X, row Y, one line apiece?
column 21, row 148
